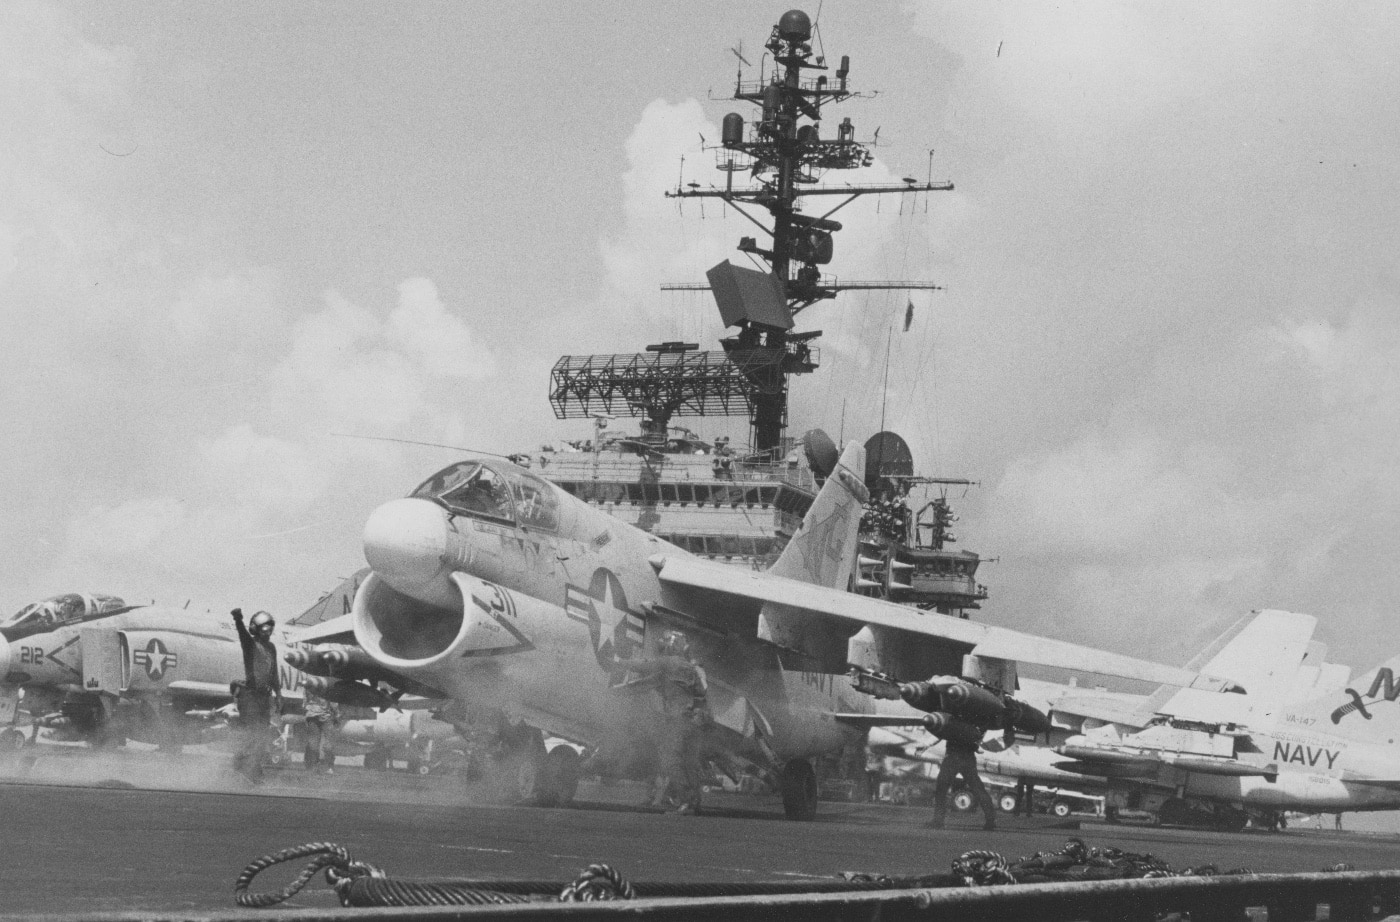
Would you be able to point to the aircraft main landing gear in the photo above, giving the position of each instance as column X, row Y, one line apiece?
column 377, row 759
column 798, row 784
column 560, row 781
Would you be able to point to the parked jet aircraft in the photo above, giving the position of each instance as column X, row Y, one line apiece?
column 503, row 591
column 101, row 670
column 1338, row 752
column 1271, row 651
column 104, row 671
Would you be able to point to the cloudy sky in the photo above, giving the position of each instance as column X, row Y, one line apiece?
column 1168, row 349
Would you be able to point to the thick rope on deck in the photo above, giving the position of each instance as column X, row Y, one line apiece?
column 357, row 883
column 1075, row 861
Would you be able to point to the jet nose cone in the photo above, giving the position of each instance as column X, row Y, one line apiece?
column 405, row 541
column 4, row 658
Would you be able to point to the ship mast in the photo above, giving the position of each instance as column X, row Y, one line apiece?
column 786, row 156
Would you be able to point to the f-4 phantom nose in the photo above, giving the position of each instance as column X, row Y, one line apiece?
column 405, row 542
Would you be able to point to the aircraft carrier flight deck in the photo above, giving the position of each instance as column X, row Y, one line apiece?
column 156, row 832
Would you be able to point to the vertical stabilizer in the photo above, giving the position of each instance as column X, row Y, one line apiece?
column 824, row 549
column 1263, row 652
column 1365, row 710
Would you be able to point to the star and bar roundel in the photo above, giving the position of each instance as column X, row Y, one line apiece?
column 155, row 659
column 604, row 605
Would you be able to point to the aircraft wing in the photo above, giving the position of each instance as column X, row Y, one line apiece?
column 340, row 629
column 1106, row 706
column 1351, row 777
column 820, row 602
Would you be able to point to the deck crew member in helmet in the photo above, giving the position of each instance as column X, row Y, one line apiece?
column 260, row 698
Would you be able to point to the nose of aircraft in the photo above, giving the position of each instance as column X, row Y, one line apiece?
column 4, row 658
column 405, row 542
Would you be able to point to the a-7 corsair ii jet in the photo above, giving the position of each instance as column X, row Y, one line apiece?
column 501, row 590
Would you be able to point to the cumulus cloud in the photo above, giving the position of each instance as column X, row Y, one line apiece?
column 442, row 343
column 171, row 405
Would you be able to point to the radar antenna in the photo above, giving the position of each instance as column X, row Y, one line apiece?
column 785, row 155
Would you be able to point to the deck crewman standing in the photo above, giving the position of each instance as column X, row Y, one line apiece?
column 261, row 696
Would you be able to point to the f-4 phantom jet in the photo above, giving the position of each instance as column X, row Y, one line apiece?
column 95, row 669
column 501, row 590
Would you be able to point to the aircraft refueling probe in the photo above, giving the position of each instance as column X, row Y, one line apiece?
column 958, row 708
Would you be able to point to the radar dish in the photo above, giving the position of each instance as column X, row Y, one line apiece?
column 886, row 455
column 821, row 452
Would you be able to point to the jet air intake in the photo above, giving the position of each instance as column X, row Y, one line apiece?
column 436, row 644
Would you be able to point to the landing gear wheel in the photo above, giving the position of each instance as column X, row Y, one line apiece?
column 963, row 801
column 12, row 740
column 1007, row 802
column 1232, row 820
column 561, row 768
column 530, row 777
column 1060, row 808
column 1174, row 812
column 377, row 759
column 799, row 789
column 416, row 767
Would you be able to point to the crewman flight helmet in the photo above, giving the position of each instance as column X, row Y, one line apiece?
column 673, row 643
column 262, row 623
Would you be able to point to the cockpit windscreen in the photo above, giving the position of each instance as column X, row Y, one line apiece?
column 59, row 609
column 504, row 494
column 470, row 488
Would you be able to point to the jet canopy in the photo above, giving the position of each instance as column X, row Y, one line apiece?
column 59, row 609
column 503, row 493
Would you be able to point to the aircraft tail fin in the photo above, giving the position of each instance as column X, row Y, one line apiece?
column 1366, row 710
column 1263, row 652
column 824, row 549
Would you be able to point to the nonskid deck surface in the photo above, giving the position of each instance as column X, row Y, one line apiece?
column 86, row 832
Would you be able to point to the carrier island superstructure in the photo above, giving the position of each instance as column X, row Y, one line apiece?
column 741, row 504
